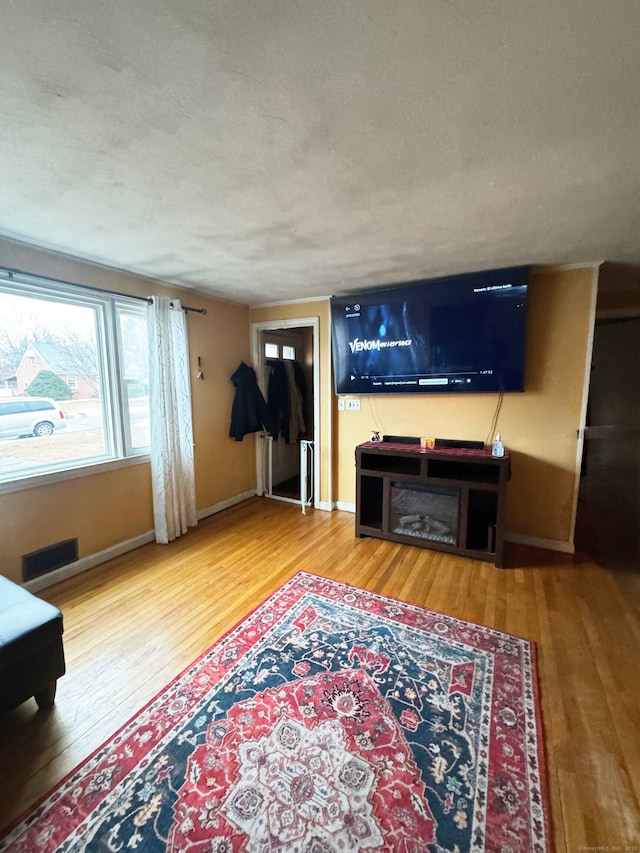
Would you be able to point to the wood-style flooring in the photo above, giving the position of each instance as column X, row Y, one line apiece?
column 134, row 623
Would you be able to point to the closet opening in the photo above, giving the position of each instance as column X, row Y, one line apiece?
column 287, row 459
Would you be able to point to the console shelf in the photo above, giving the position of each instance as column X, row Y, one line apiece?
column 446, row 499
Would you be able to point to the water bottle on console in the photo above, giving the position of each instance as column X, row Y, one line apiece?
column 497, row 448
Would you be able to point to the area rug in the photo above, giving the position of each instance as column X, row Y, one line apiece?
column 331, row 719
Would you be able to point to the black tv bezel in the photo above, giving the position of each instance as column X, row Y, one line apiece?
column 493, row 280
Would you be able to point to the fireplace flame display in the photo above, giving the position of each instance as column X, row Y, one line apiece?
column 425, row 512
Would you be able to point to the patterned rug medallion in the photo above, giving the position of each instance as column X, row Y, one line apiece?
column 330, row 720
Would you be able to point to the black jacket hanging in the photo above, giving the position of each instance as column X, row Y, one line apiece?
column 302, row 385
column 249, row 412
column 278, row 396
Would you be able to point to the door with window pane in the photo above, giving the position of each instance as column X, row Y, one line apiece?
column 285, row 362
column 279, row 347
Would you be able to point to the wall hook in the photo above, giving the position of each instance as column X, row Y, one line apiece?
column 199, row 374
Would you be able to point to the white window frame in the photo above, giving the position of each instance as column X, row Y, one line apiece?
column 119, row 452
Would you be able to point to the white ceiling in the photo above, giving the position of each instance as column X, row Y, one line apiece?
column 266, row 150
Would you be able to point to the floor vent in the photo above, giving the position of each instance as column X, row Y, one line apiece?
column 47, row 559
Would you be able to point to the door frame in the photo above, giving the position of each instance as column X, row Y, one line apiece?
column 256, row 355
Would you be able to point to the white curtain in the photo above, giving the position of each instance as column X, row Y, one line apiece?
column 172, row 468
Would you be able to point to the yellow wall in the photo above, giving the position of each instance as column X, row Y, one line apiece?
column 539, row 426
column 105, row 509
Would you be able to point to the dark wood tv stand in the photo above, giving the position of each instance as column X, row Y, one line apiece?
column 449, row 500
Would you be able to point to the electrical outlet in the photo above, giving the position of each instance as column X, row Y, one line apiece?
column 353, row 405
column 341, row 404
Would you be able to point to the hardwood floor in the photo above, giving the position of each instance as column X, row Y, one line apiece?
column 134, row 623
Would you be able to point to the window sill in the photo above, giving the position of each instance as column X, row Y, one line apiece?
column 32, row 482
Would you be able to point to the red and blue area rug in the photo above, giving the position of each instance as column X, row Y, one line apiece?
column 331, row 719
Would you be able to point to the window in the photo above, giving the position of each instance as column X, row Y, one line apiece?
column 273, row 351
column 87, row 352
column 132, row 329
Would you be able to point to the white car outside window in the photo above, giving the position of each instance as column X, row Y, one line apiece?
column 29, row 416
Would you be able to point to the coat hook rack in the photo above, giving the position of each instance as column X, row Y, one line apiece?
column 199, row 374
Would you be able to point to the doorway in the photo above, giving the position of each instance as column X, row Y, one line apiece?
column 608, row 518
column 285, row 358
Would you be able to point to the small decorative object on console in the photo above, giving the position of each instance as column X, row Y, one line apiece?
column 497, row 448
column 375, row 436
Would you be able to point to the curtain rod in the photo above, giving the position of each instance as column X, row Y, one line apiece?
column 11, row 271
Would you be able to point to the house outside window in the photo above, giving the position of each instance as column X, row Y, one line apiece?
column 72, row 361
column 87, row 350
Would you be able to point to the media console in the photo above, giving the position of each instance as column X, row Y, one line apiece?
column 447, row 499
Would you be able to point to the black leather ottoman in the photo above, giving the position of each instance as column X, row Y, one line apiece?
column 31, row 652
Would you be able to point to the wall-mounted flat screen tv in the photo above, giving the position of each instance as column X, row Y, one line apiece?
column 464, row 333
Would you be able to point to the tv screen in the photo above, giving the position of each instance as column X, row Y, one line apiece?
column 458, row 334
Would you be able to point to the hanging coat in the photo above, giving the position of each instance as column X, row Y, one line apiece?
column 301, row 382
column 249, row 412
column 296, row 419
column 278, row 396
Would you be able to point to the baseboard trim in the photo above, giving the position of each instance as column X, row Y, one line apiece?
column 214, row 508
column 346, row 507
column 89, row 562
column 516, row 538
column 99, row 557
column 538, row 542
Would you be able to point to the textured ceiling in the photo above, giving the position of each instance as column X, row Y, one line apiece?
column 265, row 150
